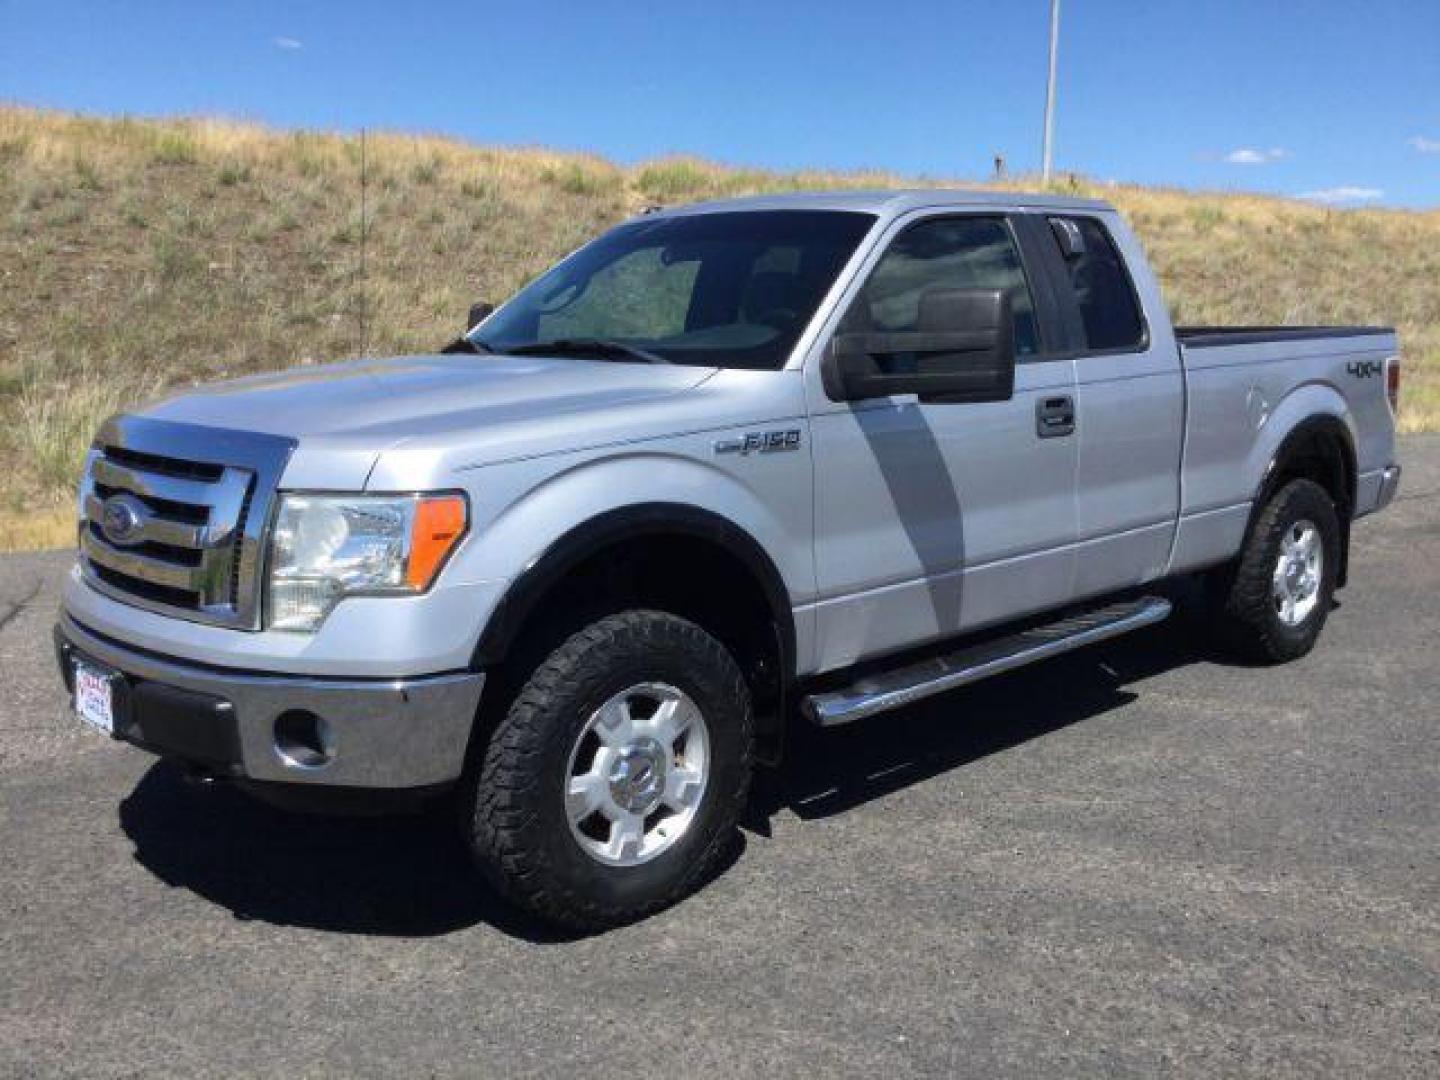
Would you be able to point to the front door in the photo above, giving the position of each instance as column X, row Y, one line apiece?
column 933, row 518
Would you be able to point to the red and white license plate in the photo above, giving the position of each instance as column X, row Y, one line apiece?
column 95, row 698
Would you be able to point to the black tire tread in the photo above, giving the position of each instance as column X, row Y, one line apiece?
column 1246, row 622
column 500, row 824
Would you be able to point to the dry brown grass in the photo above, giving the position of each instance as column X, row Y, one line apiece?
column 37, row 529
column 139, row 255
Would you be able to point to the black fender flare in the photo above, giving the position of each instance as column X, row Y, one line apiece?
column 652, row 519
column 1322, row 426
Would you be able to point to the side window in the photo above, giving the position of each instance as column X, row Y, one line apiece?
column 944, row 253
column 1102, row 286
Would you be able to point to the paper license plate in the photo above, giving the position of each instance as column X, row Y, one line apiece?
column 94, row 698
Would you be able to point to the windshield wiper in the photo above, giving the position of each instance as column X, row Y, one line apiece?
column 599, row 347
column 466, row 345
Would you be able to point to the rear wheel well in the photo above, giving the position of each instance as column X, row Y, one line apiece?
column 694, row 577
column 1317, row 450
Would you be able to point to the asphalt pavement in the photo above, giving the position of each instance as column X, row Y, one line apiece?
column 1136, row 860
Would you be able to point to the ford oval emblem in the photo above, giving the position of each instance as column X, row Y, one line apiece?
column 122, row 519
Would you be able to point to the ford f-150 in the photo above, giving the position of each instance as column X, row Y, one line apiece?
column 813, row 455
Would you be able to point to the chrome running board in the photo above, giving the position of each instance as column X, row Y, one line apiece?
column 885, row 690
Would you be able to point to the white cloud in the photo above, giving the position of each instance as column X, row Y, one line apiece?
column 1343, row 194
column 1424, row 145
column 289, row 44
column 1248, row 156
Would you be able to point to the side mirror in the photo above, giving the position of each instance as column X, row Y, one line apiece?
column 479, row 312
column 962, row 349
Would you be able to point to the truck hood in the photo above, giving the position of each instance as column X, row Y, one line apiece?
column 345, row 415
column 383, row 400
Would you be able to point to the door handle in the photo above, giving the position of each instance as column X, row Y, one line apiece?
column 1055, row 416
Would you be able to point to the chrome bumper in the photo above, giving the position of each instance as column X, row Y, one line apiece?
column 401, row 733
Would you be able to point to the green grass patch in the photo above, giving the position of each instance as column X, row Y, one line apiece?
column 232, row 173
column 575, row 178
column 674, row 179
column 173, row 147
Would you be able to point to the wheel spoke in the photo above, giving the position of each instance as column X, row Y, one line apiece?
column 672, row 719
column 584, row 796
column 1278, row 587
column 627, row 834
column 614, row 724
column 683, row 787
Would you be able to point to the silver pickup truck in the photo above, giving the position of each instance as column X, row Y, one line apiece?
column 811, row 455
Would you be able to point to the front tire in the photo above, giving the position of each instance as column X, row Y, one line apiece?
column 613, row 783
column 1272, row 604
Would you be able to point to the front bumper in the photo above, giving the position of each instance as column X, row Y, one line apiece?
column 379, row 733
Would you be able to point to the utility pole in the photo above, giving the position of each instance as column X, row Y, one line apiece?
column 1050, row 92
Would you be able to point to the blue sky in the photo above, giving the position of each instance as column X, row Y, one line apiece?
column 1338, row 100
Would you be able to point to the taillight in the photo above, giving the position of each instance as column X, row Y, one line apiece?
column 1392, row 382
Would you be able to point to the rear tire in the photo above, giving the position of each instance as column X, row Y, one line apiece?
column 612, row 785
column 1271, row 604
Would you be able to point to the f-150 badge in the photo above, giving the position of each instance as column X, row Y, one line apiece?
column 761, row 442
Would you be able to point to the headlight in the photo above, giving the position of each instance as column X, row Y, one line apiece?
column 327, row 547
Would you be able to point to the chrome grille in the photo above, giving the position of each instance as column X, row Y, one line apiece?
column 173, row 515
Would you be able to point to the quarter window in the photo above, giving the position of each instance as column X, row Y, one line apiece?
column 1101, row 284
column 944, row 253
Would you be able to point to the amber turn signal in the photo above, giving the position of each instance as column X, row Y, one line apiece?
column 435, row 530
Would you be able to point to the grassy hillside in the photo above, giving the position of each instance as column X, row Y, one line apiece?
column 139, row 255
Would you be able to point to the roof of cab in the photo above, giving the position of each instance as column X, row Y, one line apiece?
column 889, row 203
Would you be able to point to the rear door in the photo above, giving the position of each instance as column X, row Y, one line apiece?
column 937, row 517
column 1129, row 408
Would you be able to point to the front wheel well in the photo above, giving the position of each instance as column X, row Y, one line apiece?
column 699, row 577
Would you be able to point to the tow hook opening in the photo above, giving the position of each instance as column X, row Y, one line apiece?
column 303, row 739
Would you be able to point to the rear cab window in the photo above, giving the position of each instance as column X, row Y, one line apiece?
column 1100, row 285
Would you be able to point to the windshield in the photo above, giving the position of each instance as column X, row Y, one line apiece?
column 724, row 289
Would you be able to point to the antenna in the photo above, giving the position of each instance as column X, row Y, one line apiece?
column 1050, row 92
column 364, row 232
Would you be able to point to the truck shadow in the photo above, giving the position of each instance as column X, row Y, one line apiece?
column 828, row 772
column 410, row 877
column 405, row 876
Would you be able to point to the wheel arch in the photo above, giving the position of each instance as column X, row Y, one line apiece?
column 1321, row 448
column 686, row 532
